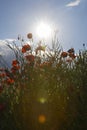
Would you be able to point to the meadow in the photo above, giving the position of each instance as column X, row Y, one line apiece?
column 44, row 89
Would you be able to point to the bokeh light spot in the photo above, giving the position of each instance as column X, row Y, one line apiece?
column 42, row 119
column 42, row 100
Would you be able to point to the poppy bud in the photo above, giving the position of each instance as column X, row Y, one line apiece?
column 19, row 37
column 71, row 50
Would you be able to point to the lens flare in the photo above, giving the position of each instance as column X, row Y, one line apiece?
column 42, row 119
column 42, row 100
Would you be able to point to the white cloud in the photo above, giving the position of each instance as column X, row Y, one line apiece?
column 6, row 53
column 73, row 3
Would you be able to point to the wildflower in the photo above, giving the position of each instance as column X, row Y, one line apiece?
column 72, row 55
column 26, row 48
column 2, row 75
column 15, row 62
column 30, row 58
column 64, row 54
column 10, row 81
column 15, row 68
column 29, row 35
column 23, row 50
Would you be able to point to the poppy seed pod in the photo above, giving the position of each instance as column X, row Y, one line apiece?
column 29, row 35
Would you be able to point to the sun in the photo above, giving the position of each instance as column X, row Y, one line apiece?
column 43, row 30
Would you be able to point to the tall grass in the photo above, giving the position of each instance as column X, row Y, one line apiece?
column 46, row 88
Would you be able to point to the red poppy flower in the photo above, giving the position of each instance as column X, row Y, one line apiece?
column 64, row 54
column 72, row 55
column 17, row 67
column 15, row 62
column 2, row 75
column 30, row 58
column 10, row 81
column 25, row 48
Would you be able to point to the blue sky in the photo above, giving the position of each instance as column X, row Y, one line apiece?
column 68, row 16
